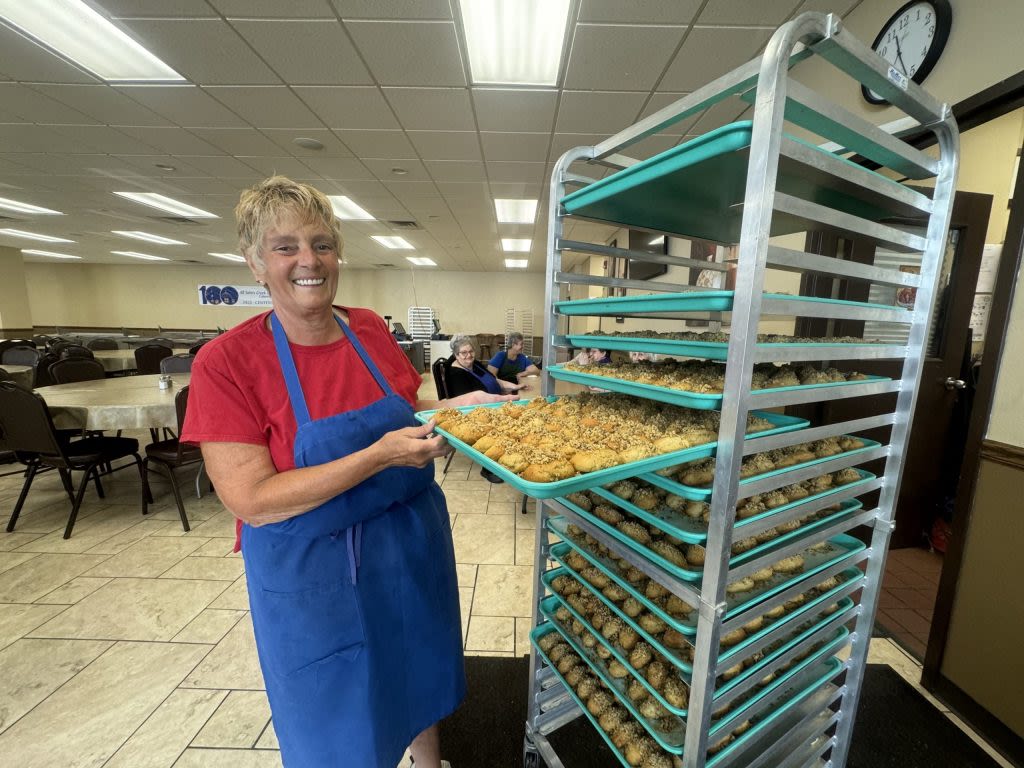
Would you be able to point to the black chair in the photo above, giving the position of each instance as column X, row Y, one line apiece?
column 172, row 454
column 102, row 343
column 75, row 350
column 195, row 347
column 72, row 369
column 27, row 429
column 6, row 344
column 169, row 343
column 177, row 364
column 41, row 376
column 148, row 357
column 23, row 354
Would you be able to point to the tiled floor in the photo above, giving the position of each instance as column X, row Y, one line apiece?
column 130, row 645
column 908, row 596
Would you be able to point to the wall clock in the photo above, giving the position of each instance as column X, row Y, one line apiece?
column 911, row 41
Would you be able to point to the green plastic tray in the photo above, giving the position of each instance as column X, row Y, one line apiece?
column 782, row 423
column 708, row 350
column 697, row 189
column 691, row 301
column 692, row 531
column 703, row 494
column 843, row 548
column 696, row 400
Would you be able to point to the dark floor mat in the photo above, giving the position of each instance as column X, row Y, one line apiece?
column 896, row 727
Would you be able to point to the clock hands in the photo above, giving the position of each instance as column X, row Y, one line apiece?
column 899, row 55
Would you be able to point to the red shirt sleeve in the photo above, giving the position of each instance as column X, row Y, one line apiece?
column 218, row 409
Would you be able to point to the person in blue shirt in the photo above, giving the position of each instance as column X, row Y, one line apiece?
column 466, row 374
column 512, row 365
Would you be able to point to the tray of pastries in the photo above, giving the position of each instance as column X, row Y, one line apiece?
column 551, row 446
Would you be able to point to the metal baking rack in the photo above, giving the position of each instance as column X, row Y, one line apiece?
column 760, row 180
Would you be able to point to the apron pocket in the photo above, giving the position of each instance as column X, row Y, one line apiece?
column 302, row 629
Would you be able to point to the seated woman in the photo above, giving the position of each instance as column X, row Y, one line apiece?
column 512, row 365
column 465, row 374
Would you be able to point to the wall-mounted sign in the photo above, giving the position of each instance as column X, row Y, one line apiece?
column 234, row 296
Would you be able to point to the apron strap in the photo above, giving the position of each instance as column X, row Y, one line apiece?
column 365, row 357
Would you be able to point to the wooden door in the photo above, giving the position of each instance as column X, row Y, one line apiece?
column 935, row 448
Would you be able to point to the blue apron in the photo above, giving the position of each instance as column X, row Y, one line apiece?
column 355, row 603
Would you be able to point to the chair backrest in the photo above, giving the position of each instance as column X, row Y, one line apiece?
column 25, row 422
column 6, row 344
column 75, row 350
column 57, row 345
column 102, row 343
column 72, row 369
column 42, row 377
column 20, row 356
column 148, row 357
column 169, row 343
column 177, row 364
column 5, row 376
column 195, row 347
column 439, row 368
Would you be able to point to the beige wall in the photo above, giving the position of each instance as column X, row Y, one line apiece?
column 1006, row 424
column 15, row 312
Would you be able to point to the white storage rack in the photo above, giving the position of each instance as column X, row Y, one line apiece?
column 421, row 328
column 818, row 731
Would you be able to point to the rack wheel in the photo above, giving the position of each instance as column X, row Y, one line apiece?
column 531, row 760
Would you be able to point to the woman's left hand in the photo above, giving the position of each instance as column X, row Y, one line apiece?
column 476, row 398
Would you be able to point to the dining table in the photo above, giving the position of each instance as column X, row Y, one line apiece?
column 126, row 402
column 121, row 360
column 20, row 374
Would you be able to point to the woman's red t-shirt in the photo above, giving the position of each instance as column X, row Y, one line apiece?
column 237, row 392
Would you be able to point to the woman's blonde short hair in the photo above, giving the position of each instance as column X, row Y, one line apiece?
column 260, row 207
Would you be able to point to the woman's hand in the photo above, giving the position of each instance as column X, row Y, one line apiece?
column 411, row 446
column 475, row 398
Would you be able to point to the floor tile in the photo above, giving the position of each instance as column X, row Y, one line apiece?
column 465, row 608
column 134, row 609
column 100, row 707
column 77, row 589
column 268, row 739
column 42, row 574
column 466, row 501
column 10, row 559
column 491, row 633
column 502, row 508
column 148, row 558
column 209, row 568
column 523, row 628
column 33, row 669
column 466, row 574
column 209, row 626
column 17, row 620
column 235, row 597
column 525, row 549
column 88, row 533
column 484, row 539
column 121, row 541
column 238, row 721
column 168, row 731
column 505, row 492
column 15, row 539
column 232, row 664
column 229, row 758
column 504, row 590
column 219, row 547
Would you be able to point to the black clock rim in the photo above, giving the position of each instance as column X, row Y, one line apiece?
column 943, row 23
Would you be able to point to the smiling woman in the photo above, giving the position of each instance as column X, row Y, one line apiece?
column 321, row 459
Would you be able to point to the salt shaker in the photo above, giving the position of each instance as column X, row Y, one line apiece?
column 165, row 382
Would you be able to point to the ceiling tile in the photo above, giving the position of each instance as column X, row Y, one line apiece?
column 410, row 53
column 721, row 113
column 173, row 141
column 393, row 9
column 842, row 7
column 21, row 59
column 147, row 164
column 349, row 107
column 100, row 138
column 499, row 109
column 24, row 104
column 285, row 139
column 238, row 141
column 377, row 143
column 527, row 173
column 516, row 146
column 459, row 191
column 359, row 189
column 455, row 170
column 432, row 109
column 338, row 168
column 383, row 169
column 206, row 51
column 181, row 9
column 294, row 9
column 103, row 104
column 335, row 61
column 563, row 142
column 661, row 100
column 291, row 167
column 446, row 145
column 184, row 105
column 658, row 11
column 266, row 106
column 596, row 111
column 223, row 166
column 710, row 52
column 531, row 190
column 767, row 12
column 620, row 57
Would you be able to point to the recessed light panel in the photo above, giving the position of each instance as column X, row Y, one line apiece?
column 77, row 32
column 394, row 243
column 227, row 256
column 137, row 255
column 14, row 205
column 515, row 211
column 516, row 263
column 34, row 236
column 515, row 244
column 148, row 237
column 50, row 254
column 422, row 261
column 515, row 42
column 346, row 210
column 168, row 204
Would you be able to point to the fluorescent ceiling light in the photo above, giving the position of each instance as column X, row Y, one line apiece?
column 51, row 254
column 148, row 237
column 516, row 263
column 137, row 255
column 34, row 236
column 515, row 41
column 14, row 205
column 346, row 210
column 168, row 204
column 515, row 244
column 394, row 243
column 422, row 261
column 515, row 211
column 228, row 256
column 77, row 32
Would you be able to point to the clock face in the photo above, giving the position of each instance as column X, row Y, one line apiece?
column 912, row 40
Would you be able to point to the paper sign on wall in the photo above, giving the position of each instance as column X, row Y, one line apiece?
column 234, row 296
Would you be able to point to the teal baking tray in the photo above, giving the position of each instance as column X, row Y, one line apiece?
column 781, row 422
column 690, row 301
column 697, row 189
column 708, row 350
column 799, row 634
column 704, row 494
column 694, row 530
column 697, row 400
column 840, row 548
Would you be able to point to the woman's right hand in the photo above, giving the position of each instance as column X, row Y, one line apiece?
column 411, row 446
